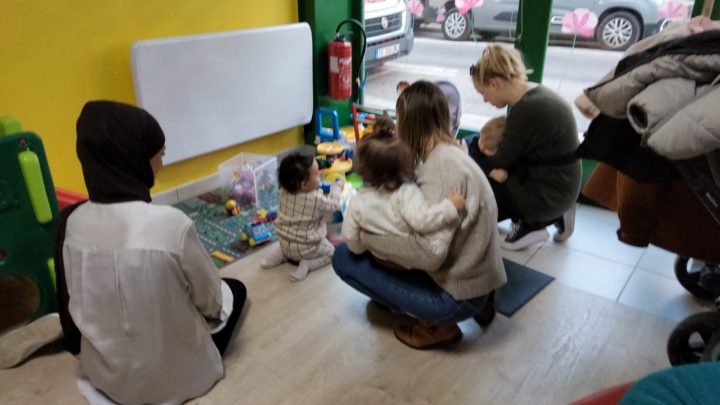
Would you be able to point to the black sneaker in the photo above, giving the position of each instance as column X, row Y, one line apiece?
column 565, row 225
column 522, row 236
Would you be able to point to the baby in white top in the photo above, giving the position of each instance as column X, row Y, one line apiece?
column 389, row 203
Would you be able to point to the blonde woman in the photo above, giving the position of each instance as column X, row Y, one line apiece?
column 537, row 150
column 456, row 268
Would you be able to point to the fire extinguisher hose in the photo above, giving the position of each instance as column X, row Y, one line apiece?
column 364, row 46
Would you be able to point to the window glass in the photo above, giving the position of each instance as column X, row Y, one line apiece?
column 587, row 40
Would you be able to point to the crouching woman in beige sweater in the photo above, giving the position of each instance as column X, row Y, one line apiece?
column 456, row 269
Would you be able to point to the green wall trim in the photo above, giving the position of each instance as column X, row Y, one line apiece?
column 323, row 16
column 532, row 33
column 698, row 6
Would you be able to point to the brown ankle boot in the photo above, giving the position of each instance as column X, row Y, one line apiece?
column 487, row 314
column 423, row 336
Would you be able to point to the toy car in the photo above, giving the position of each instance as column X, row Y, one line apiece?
column 263, row 216
column 255, row 233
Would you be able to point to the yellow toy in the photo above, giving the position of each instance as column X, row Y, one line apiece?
column 333, row 161
column 338, row 169
column 222, row 256
column 232, row 208
column 329, row 148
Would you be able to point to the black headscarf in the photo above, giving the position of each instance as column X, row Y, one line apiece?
column 115, row 142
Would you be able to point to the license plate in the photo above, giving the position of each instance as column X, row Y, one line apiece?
column 386, row 51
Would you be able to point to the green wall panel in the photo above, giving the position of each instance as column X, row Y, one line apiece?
column 324, row 17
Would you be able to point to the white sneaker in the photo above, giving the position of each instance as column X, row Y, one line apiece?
column 565, row 225
column 20, row 343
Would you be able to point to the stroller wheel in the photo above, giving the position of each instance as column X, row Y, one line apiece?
column 712, row 351
column 692, row 337
column 699, row 278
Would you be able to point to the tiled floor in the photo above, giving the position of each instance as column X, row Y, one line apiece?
column 593, row 260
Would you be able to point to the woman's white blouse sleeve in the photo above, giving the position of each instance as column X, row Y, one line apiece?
column 202, row 275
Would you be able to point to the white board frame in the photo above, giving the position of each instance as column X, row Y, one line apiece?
column 212, row 91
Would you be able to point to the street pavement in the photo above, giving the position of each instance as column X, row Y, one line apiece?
column 568, row 70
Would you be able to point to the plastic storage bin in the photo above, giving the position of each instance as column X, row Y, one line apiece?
column 251, row 179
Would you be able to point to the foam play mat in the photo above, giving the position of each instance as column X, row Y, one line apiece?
column 222, row 234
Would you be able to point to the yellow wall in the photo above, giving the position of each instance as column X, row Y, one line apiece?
column 56, row 55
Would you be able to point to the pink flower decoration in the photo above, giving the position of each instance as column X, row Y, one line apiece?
column 415, row 7
column 440, row 15
column 580, row 21
column 464, row 6
column 671, row 9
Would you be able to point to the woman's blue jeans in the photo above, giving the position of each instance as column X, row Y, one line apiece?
column 411, row 292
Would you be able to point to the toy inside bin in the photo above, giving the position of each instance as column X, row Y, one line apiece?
column 251, row 179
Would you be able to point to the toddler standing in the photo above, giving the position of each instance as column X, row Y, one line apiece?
column 301, row 224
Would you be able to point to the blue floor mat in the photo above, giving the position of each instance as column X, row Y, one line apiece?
column 522, row 285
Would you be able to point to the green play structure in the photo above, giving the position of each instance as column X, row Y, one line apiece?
column 28, row 206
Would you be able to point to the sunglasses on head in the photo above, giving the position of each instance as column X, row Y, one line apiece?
column 473, row 70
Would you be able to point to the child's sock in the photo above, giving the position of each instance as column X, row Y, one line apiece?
column 275, row 258
column 308, row 265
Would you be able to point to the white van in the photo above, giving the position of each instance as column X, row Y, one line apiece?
column 389, row 30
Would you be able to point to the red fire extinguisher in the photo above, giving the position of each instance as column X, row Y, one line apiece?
column 340, row 78
column 340, row 68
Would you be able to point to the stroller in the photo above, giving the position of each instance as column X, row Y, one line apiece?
column 660, row 167
column 454, row 103
column 697, row 338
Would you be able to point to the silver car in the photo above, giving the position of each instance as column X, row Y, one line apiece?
column 621, row 23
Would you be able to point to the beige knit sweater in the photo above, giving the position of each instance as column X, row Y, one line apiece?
column 463, row 260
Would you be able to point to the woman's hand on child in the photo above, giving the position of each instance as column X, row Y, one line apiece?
column 456, row 198
column 499, row 175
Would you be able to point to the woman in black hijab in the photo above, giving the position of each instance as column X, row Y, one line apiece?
column 116, row 143
column 138, row 294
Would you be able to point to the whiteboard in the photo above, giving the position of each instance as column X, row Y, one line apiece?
column 212, row 91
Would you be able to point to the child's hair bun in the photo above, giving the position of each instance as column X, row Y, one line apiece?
column 384, row 127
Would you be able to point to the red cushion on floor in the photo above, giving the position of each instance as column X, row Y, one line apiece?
column 609, row 396
column 65, row 198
